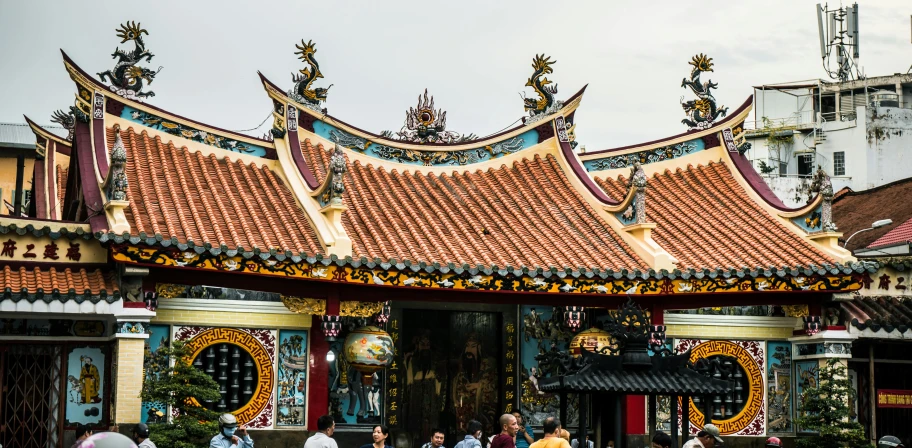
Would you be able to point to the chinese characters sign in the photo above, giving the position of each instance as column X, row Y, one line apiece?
column 893, row 398
column 46, row 250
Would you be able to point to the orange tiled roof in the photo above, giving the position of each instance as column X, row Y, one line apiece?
column 706, row 220
column 191, row 197
column 526, row 214
column 55, row 283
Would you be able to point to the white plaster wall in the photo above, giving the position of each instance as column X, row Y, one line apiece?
column 889, row 141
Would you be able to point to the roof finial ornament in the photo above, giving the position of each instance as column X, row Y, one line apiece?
column 117, row 177
column 702, row 112
column 636, row 212
column 821, row 184
column 423, row 124
column 301, row 92
column 66, row 120
column 545, row 104
column 335, row 187
column 127, row 77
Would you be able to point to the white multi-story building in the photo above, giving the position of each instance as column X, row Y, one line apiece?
column 859, row 131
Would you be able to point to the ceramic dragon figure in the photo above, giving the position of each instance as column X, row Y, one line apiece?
column 301, row 92
column 703, row 111
column 65, row 120
column 127, row 77
column 545, row 104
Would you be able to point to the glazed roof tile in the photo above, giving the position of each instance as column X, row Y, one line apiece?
column 856, row 210
column 192, row 198
column 523, row 215
column 705, row 219
column 876, row 313
column 899, row 235
column 52, row 283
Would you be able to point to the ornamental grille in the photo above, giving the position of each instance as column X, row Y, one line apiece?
column 233, row 369
column 30, row 409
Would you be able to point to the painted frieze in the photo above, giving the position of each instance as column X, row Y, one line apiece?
column 86, row 385
column 241, row 361
column 190, row 133
column 703, row 111
column 292, row 378
column 743, row 411
column 543, row 329
column 779, row 418
column 647, row 156
column 429, row 157
column 159, row 336
column 127, row 76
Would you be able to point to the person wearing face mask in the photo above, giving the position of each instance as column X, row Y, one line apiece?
column 230, row 434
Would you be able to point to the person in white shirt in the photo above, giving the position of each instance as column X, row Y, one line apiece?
column 707, row 438
column 323, row 438
column 230, row 434
column 141, row 436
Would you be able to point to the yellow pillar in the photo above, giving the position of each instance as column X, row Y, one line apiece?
column 129, row 378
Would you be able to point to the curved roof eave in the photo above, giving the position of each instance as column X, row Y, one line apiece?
column 569, row 107
column 44, row 133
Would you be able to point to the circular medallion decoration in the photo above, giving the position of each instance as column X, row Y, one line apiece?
column 262, row 393
column 753, row 403
column 592, row 340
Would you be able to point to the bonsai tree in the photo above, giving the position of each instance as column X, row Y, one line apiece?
column 824, row 409
column 191, row 425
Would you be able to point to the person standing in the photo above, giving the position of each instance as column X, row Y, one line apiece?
column 524, row 436
column 707, row 438
column 82, row 432
column 661, row 440
column 436, row 439
column 589, row 443
column 552, row 439
column 141, row 436
column 508, row 429
column 230, row 434
column 380, row 435
column 323, row 438
column 473, row 436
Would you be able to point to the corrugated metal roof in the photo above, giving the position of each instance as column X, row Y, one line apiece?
column 20, row 135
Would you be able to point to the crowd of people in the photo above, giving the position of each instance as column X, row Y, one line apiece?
column 515, row 433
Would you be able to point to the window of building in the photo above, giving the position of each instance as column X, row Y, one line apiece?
column 839, row 163
column 805, row 164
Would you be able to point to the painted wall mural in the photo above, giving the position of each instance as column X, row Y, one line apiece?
column 159, row 336
column 805, row 377
column 543, row 329
column 184, row 131
column 779, row 385
column 292, row 377
column 747, row 418
column 234, row 376
column 85, row 386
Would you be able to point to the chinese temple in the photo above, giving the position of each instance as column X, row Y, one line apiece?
column 412, row 278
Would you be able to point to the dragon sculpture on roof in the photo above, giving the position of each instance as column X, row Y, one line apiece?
column 703, row 111
column 301, row 92
column 545, row 104
column 424, row 124
column 65, row 120
column 127, row 77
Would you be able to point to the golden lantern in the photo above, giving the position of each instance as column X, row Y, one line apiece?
column 593, row 340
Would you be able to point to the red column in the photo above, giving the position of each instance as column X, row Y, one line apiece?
column 635, row 415
column 318, row 392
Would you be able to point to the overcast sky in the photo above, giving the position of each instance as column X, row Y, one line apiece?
column 473, row 56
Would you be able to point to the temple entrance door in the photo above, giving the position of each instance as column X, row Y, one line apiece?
column 30, row 396
column 452, row 366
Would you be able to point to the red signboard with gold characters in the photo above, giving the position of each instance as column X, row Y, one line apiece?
column 894, row 398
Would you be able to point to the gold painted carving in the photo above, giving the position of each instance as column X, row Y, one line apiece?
column 170, row 290
column 304, row 305
column 359, row 309
column 796, row 310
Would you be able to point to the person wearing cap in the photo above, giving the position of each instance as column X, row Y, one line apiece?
column 890, row 442
column 230, row 434
column 707, row 438
column 141, row 436
column 773, row 442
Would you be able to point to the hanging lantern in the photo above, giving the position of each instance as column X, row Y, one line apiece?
column 811, row 325
column 574, row 315
column 151, row 300
column 593, row 340
column 384, row 315
column 368, row 350
column 331, row 326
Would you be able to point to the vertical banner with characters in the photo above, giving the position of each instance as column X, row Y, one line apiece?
column 85, row 386
column 779, row 383
column 159, row 336
column 292, row 374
